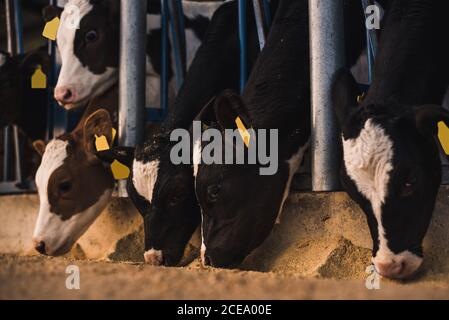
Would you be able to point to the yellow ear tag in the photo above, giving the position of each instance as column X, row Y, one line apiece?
column 119, row 170
column 243, row 131
column 39, row 79
column 114, row 134
column 361, row 97
column 51, row 29
column 443, row 136
column 101, row 143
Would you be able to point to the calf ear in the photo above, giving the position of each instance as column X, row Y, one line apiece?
column 98, row 124
column 39, row 146
column 51, row 12
column 228, row 106
column 427, row 118
column 124, row 155
column 344, row 94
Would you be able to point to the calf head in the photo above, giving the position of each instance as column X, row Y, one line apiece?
column 392, row 170
column 74, row 187
column 239, row 205
column 21, row 104
column 164, row 195
column 89, row 54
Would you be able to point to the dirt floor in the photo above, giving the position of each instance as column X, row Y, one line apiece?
column 45, row 278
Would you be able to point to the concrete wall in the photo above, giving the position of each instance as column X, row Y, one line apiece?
column 322, row 235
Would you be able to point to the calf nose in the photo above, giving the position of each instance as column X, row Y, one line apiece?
column 65, row 95
column 40, row 247
column 391, row 269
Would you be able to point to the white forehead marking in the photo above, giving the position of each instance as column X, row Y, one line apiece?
column 53, row 158
column 145, row 177
column 368, row 161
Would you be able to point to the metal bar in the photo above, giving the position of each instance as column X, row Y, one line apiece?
column 164, row 57
column 18, row 25
column 18, row 155
column 327, row 56
column 10, row 27
column 132, row 75
column 371, row 44
column 178, row 40
column 267, row 13
column 243, row 44
column 6, row 153
column 132, row 71
column 259, row 23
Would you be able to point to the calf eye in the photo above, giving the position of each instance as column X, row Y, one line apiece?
column 91, row 36
column 175, row 200
column 213, row 192
column 409, row 186
column 65, row 187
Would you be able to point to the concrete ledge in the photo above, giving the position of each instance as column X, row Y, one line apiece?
column 320, row 235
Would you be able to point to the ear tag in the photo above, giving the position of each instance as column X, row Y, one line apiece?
column 114, row 134
column 361, row 97
column 243, row 131
column 119, row 170
column 51, row 29
column 443, row 136
column 101, row 143
column 39, row 79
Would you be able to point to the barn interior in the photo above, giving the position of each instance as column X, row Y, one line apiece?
column 320, row 250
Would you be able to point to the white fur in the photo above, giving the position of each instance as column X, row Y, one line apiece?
column 294, row 163
column 153, row 257
column 57, row 234
column 197, row 154
column 145, row 177
column 368, row 161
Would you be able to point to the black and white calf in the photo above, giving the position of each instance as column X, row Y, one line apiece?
column 391, row 157
column 90, row 54
column 162, row 191
column 239, row 205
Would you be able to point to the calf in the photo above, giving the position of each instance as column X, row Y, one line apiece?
column 391, row 159
column 162, row 191
column 73, row 184
column 239, row 205
column 90, row 54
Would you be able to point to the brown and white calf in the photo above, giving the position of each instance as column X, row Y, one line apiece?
column 74, row 186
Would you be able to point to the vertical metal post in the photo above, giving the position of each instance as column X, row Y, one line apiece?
column 164, row 57
column 178, row 40
column 18, row 155
column 259, row 23
column 371, row 44
column 133, row 16
column 327, row 56
column 18, row 22
column 6, row 153
column 243, row 44
column 10, row 27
